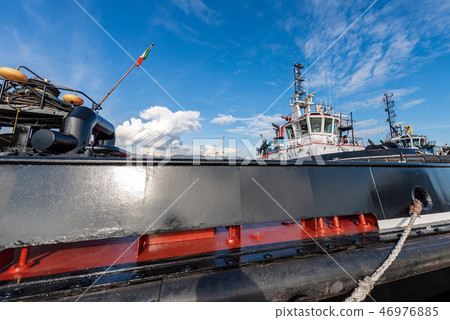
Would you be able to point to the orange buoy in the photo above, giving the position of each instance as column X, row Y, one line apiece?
column 73, row 99
column 13, row 74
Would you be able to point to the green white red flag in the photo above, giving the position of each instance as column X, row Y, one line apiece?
column 143, row 56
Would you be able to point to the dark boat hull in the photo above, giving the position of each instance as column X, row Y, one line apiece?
column 54, row 205
column 44, row 201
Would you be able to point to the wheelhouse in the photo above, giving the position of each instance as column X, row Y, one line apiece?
column 311, row 124
column 412, row 141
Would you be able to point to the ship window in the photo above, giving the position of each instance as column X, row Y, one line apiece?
column 316, row 124
column 328, row 125
column 289, row 132
column 422, row 142
column 406, row 143
column 303, row 126
column 336, row 126
column 416, row 142
column 297, row 129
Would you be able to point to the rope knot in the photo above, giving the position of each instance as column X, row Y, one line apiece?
column 364, row 287
column 367, row 283
column 416, row 207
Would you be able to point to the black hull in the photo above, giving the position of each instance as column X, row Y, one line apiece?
column 50, row 200
column 54, row 200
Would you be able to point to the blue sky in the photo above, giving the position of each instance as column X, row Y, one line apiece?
column 226, row 62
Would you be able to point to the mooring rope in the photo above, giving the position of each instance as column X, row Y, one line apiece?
column 366, row 285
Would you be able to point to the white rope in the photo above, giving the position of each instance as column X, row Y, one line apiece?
column 366, row 285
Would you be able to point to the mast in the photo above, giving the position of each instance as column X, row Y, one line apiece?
column 296, row 103
column 298, row 80
column 351, row 122
column 393, row 128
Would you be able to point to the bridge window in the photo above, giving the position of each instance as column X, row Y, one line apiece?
column 316, row 124
column 406, row 143
column 336, row 126
column 289, row 132
column 328, row 125
column 422, row 142
column 416, row 142
column 297, row 129
column 303, row 126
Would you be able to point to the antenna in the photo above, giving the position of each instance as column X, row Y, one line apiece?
column 353, row 130
column 223, row 148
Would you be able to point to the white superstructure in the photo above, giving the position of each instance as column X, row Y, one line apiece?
column 311, row 130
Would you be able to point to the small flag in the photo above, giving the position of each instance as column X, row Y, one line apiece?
column 143, row 56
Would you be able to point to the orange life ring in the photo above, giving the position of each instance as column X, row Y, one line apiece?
column 73, row 99
column 13, row 74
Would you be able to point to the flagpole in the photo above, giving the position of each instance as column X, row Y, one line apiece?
column 121, row 79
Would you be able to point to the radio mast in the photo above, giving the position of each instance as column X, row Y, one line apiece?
column 395, row 129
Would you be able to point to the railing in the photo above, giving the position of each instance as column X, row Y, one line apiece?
column 321, row 138
column 14, row 83
column 353, row 142
column 312, row 138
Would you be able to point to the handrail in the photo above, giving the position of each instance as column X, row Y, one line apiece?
column 95, row 105
column 18, row 68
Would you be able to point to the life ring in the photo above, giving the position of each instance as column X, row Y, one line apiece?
column 13, row 74
column 73, row 99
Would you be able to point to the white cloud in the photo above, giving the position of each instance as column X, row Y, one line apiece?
column 224, row 119
column 380, row 47
column 160, row 137
column 404, row 92
column 366, row 123
column 253, row 126
column 368, row 127
column 374, row 99
column 369, row 132
column 257, row 125
column 162, row 130
column 164, row 120
column 411, row 104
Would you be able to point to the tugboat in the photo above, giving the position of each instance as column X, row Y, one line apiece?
column 83, row 220
column 404, row 136
column 310, row 130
